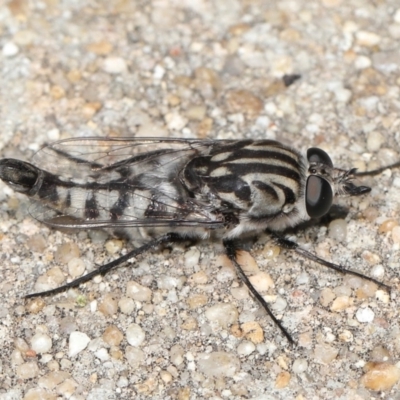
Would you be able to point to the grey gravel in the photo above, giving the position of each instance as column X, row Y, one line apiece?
column 203, row 69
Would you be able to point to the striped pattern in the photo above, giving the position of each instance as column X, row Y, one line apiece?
column 261, row 177
column 236, row 185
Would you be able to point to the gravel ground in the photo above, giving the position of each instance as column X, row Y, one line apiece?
column 178, row 324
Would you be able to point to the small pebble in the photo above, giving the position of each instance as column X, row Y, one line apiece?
column 346, row 336
column 247, row 262
column 380, row 354
column 135, row 335
column 338, row 230
column 41, row 343
column 102, row 354
column 378, row 271
column 362, row 62
column 35, row 305
column 253, row 331
column 245, row 348
column 112, row 336
column 126, row 305
column 115, row 65
column 368, row 39
column 396, row 234
column 175, row 121
column 325, row 354
column 50, row 280
column 244, row 102
column 299, row 365
column 52, row 379
column 10, row 49
column 223, row 314
column 341, row 303
column 134, row 356
column 28, row 370
column 66, row 252
column 78, row 341
column 218, row 364
column 380, row 376
column 396, row 16
column 108, row 306
column 176, row 354
column 365, row 315
column 192, row 257
column 197, row 300
column 262, row 281
column 282, row 380
column 138, row 292
column 374, row 141
column 76, row 267
column 326, row 296
column 114, row 246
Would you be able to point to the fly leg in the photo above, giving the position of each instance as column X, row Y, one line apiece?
column 104, row 269
column 288, row 244
column 231, row 249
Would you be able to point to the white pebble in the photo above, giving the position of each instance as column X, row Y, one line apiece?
column 365, row 315
column 138, row 292
column 343, row 95
column 338, row 230
column 53, row 134
column 362, row 62
column 175, row 121
column 218, row 364
column 396, row 16
column 28, row 370
column 126, row 305
column 134, row 356
column 374, row 141
column 192, row 257
column 223, row 314
column 41, row 343
column 135, row 335
column 245, row 348
column 167, row 282
column 369, row 39
column 159, row 72
column 76, row 267
column 114, row 65
column 378, row 271
column 303, row 279
column 77, row 342
column 10, row 49
column 279, row 305
column 300, row 365
column 226, row 274
column 102, row 354
column 176, row 354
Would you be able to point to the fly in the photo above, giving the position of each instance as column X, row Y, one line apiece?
column 160, row 191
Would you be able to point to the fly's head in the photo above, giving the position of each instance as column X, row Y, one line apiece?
column 324, row 182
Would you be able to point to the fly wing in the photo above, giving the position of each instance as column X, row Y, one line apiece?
column 119, row 183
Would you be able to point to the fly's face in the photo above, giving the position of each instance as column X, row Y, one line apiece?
column 324, row 182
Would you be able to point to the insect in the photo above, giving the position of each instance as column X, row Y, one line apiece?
column 160, row 191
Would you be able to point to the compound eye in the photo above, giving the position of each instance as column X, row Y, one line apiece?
column 316, row 155
column 319, row 196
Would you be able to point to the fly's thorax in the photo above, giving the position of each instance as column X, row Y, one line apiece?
column 261, row 182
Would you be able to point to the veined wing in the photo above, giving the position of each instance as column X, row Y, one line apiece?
column 119, row 182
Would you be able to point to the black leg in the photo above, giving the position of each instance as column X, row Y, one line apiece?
column 231, row 249
column 167, row 238
column 288, row 244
